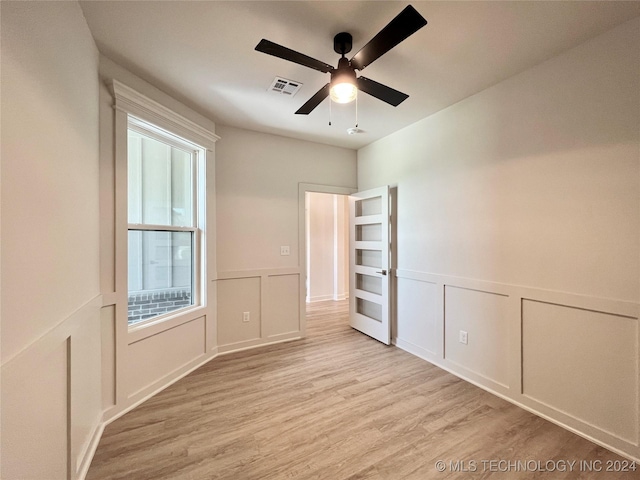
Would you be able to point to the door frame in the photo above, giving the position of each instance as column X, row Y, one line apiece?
column 303, row 188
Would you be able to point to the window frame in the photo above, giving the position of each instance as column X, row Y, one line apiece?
column 127, row 104
column 197, row 216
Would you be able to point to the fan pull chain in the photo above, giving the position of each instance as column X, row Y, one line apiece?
column 330, row 102
column 356, row 111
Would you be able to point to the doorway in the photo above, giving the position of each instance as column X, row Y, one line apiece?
column 304, row 259
column 348, row 268
column 326, row 247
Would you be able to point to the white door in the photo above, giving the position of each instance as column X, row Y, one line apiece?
column 369, row 275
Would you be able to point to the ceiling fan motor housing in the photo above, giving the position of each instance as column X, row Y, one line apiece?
column 344, row 73
column 342, row 43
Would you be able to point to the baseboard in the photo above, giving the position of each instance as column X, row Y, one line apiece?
column 142, row 396
column 321, row 298
column 325, row 298
column 262, row 342
column 114, row 413
column 90, row 451
column 426, row 356
column 414, row 349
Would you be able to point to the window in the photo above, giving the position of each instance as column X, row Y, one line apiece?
column 164, row 222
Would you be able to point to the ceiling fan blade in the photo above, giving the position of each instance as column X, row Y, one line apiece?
column 314, row 101
column 408, row 22
column 270, row 48
column 381, row 92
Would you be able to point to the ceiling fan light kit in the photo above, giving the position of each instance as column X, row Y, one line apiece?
column 344, row 84
column 343, row 79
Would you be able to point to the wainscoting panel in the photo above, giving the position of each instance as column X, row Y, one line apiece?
column 582, row 363
column 158, row 356
column 271, row 296
column 483, row 316
column 282, row 315
column 236, row 296
column 107, row 336
column 418, row 321
column 51, row 404
column 569, row 358
column 35, row 419
column 84, row 389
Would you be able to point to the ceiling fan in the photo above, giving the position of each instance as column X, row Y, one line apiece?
column 344, row 84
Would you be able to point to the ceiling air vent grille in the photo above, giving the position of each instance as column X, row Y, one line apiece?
column 282, row 86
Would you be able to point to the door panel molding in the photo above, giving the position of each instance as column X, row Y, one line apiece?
column 359, row 215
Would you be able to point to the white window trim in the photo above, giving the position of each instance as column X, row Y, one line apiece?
column 137, row 105
column 131, row 105
column 197, row 152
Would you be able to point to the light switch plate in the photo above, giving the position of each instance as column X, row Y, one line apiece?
column 285, row 250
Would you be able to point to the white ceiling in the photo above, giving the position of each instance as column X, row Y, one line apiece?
column 202, row 53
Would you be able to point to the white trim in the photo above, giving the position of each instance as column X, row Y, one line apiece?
column 160, row 228
column 258, row 272
column 146, row 393
column 29, row 357
column 597, row 304
column 136, row 111
column 512, row 389
column 420, row 353
column 138, row 105
column 303, row 188
column 161, row 135
column 321, row 298
column 258, row 342
column 161, row 323
column 198, row 152
column 109, row 299
column 84, row 461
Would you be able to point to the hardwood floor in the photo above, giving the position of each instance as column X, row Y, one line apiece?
column 336, row 405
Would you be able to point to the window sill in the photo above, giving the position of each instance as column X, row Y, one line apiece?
column 163, row 323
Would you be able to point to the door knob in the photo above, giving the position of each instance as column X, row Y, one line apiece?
column 383, row 272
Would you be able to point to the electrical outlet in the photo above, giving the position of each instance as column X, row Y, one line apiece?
column 463, row 337
column 246, row 316
column 284, row 250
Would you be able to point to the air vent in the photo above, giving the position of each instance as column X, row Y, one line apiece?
column 282, row 86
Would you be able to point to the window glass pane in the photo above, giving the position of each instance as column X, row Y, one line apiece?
column 369, row 309
column 181, row 194
column 369, row 206
column 160, row 273
column 369, row 232
column 160, row 182
column 369, row 258
column 369, row 283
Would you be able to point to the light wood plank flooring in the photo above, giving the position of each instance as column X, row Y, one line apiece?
column 336, row 405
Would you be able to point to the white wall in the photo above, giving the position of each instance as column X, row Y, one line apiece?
column 257, row 184
column 50, row 241
column 519, row 222
column 327, row 244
